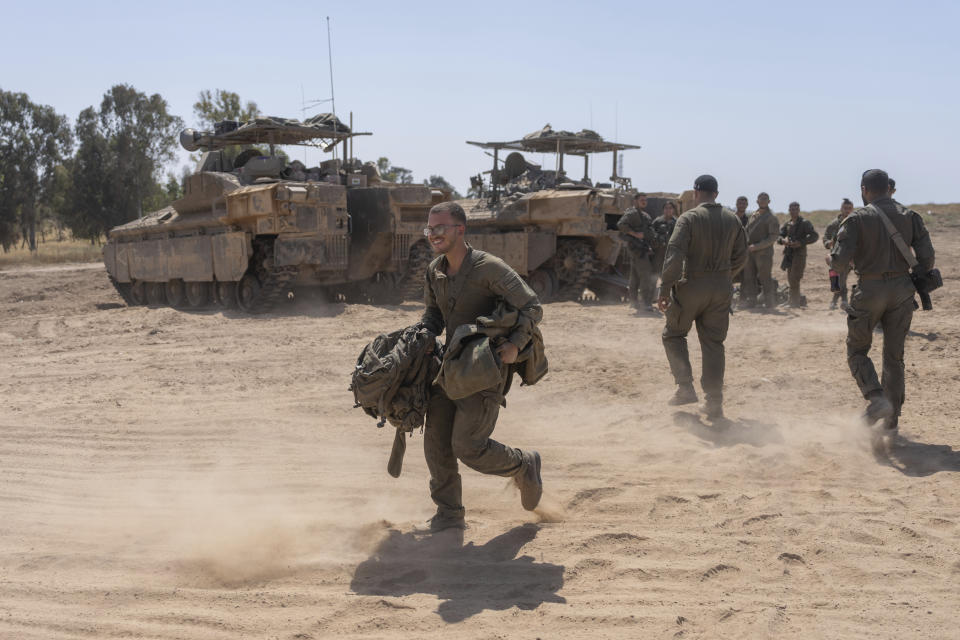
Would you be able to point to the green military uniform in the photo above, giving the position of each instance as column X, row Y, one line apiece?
column 795, row 258
column 707, row 248
column 738, row 278
column 662, row 230
column 884, row 291
column 642, row 275
column 830, row 239
column 461, row 429
column 762, row 230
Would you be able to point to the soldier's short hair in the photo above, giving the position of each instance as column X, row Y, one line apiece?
column 640, row 194
column 794, row 204
column 846, row 201
column 875, row 180
column 763, row 194
column 671, row 203
column 455, row 210
column 739, row 198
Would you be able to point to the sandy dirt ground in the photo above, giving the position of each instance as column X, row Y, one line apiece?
column 168, row 474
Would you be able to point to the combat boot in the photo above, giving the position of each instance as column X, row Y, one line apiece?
column 441, row 521
column 685, row 394
column 879, row 410
column 713, row 407
column 529, row 482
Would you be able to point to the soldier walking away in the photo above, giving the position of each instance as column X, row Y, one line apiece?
column 707, row 248
column 762, row 232
column 635, row 229
column 795, row 235
column 662, row 230
column 463, row 284
column 883, row 294
column 838, row 279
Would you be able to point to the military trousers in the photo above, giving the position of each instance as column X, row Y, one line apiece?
column 460, row 430
column 705, row 301
column 758, row 271
column 842, row 276
column 798, row 263
column 642, row 278
column 888, row 303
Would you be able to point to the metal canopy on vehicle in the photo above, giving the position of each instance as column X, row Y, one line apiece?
column 572, row 145
column 271, row 130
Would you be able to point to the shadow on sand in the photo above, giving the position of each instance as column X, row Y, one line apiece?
column 468, row 578
column 724, row 432
column 918, row 459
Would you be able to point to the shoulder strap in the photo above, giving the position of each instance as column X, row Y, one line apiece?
column 898, row 240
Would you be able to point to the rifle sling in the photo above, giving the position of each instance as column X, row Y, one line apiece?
column 897, row 237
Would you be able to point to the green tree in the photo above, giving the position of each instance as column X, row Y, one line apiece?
column 122, row 151
column 220, row 104
column 393, row 173
column 439, row 182
column 33, row 140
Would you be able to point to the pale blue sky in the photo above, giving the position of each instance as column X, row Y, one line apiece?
column 796, row 99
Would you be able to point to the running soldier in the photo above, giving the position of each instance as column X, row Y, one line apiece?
column 795, row 235
column 635, row 228
column 462, row 284
column 883, row 294
column 838, row 279
column 762, row 232
column 707, row 248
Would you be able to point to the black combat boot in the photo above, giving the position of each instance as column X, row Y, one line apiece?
column 713, row 407
column 685, row 394
column 441, row 521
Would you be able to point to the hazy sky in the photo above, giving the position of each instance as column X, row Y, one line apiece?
column 796, row 99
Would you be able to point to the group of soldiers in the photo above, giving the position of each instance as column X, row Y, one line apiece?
column 697, row 255
column 646, row 240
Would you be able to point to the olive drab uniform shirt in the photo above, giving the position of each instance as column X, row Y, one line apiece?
column 762, row 229
column 483, row 280
column 663, row 229
column 639, row 222
column 864, row 238
column 799, row 230
column 830, row 233
column 705, row 241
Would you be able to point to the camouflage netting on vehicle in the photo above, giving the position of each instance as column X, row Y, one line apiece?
column 547, row 132
column 281, row 131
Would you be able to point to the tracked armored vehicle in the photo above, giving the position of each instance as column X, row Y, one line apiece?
column 557, row 232
column 251, row 227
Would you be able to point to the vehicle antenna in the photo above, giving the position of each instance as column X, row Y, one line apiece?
column 333, row 102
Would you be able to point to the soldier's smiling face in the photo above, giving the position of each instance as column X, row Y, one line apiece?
column 763, row 201
column 446, row 232
column 741, row 204
column 794, row 210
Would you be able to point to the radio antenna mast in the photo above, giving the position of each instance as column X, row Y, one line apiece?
column 333, row 102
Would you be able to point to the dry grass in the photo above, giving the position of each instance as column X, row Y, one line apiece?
column 53, row 253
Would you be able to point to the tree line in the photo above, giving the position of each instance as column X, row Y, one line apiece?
column 110, row 167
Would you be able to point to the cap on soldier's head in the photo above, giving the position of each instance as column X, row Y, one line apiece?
column 875, row 180
column 706, row 183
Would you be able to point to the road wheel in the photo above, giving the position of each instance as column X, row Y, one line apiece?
column 174, row 291
column 156, row 294
column 543, row 283
column 226, row 294
column 138, row 293
column 248, row 294
column 197, row 293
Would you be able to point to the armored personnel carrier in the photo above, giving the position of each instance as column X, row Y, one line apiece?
column 251, row 227
column 559, row 233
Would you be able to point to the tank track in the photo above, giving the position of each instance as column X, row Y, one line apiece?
column 123, row 291
column 275, row 282
column 415, row 276
column 575, row 262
